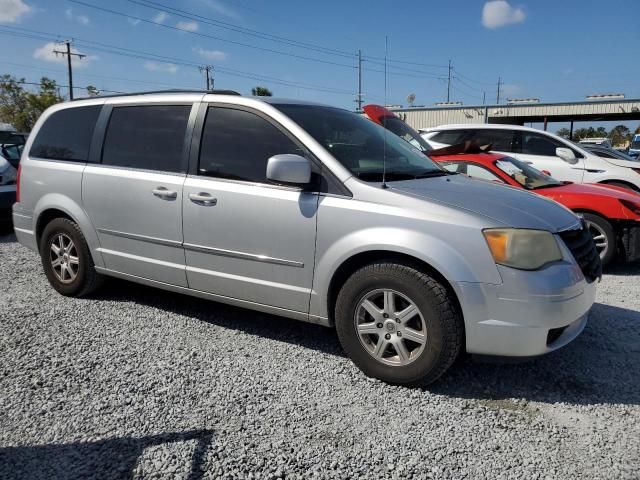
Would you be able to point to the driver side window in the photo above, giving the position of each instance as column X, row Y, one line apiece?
column 236, row 144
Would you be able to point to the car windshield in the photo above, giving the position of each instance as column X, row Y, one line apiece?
column 635, row 145
column 404, row 131
column 525, row 175
column 362, row 146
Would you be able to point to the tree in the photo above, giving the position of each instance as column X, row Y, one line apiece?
column 620, row 135
column 22, row 108
column 563, row 132
column 92, row 91
column 261, row 92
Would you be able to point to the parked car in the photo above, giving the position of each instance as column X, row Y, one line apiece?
column 634, row 146
column 8, row 174
column 605, row 152
column 564, row 160
column 11, row 145
column 602, row 141
column 322, row 216
column 612, row 213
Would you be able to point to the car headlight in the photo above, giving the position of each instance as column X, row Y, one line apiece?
column 522, row 248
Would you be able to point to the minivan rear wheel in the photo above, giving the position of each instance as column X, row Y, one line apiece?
column 66, row 259
column 398, row 324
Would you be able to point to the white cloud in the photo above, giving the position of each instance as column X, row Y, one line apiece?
column 210, row 54
column 498, row 13
column 12, row 10
column 46, row 53
column 133, row 21
column 81, row 19
column 161, row 67
column 187, row 26
column 511, row 90
column 220, row 8
column 160, row 17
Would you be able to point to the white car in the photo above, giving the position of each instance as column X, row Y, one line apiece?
column 550, row 153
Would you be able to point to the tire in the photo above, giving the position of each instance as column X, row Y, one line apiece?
column 600, row 227
column 86, row 279
column 438, row 319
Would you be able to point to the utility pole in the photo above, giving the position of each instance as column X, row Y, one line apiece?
column 498, row 96
column 449, row 83
column 69, row 55
column 208, row 69
column 359, row 99
column 484, row 97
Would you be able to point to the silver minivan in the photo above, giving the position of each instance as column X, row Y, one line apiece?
column 304, row 211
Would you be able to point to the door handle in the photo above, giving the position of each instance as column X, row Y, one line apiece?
column 162, row 192
column 203, row 199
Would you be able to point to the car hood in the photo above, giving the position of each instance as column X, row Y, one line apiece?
column 507, row 205
column 592, row 189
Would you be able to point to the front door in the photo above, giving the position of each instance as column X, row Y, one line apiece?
column 244, row 237
column 134, row 197
column 539, row 151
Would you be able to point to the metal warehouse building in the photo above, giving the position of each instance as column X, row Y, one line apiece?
column 519, row 114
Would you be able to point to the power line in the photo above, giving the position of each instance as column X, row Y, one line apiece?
column 23, row 82
column 122, row 51
column 234, row 42
column 243, row 30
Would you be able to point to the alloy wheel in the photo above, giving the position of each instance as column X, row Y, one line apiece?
column 63, row 255
column 599, row 238
column 390, row 327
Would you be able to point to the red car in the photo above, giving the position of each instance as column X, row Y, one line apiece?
column 612, row 213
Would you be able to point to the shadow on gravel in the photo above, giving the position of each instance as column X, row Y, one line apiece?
column 624, row 269
column 111, row 458
column 600, row 366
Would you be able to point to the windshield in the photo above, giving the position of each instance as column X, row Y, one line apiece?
column 405, row 132
column 361, row 145
column 635, row 145
column 525, row 175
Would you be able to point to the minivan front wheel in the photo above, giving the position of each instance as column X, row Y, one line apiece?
column 398, row 324
column 66, row 259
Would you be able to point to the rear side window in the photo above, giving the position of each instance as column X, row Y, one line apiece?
column 149, row 137
column 501, row 140
column 237, row 144
column 450, row 137
column 66, row 134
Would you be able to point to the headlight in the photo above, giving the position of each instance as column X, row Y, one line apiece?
column 7, row 174
column 522, row 248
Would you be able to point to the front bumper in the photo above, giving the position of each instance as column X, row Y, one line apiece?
column 531, row 313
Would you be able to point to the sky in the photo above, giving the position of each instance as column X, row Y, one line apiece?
column 547, row 49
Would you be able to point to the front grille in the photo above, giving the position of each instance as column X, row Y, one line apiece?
column 583, row 248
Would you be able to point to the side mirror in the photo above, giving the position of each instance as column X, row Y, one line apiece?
column 567, row 155
column 289, row 168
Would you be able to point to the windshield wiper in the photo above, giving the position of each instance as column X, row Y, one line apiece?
column 435, row 173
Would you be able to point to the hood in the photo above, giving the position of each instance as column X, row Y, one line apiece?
column 600, row 189
column 509, row 206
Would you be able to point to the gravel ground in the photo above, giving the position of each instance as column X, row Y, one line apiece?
column 140, row 383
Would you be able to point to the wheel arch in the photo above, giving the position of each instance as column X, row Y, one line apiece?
column 359, row 260
column 621, row 182
column 60, row 206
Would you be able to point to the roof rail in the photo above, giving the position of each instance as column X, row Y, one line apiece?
column 214, row 92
